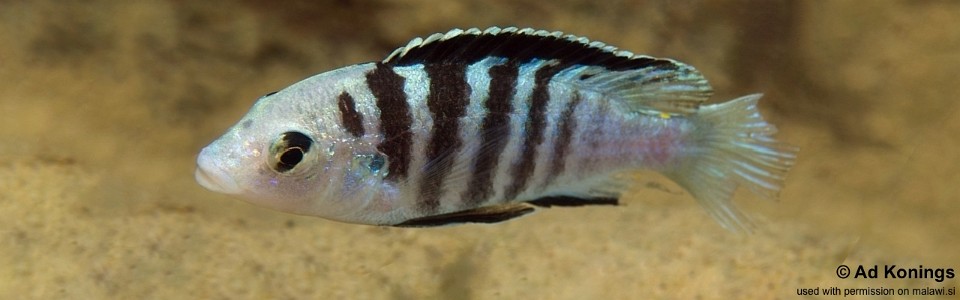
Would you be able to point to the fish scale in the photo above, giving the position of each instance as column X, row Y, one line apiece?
column 483, row 125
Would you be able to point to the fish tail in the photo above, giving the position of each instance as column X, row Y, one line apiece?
column 733, row 146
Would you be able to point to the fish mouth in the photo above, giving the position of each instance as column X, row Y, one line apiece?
column 216, row 181
column 213, row 178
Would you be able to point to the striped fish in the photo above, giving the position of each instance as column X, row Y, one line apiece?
column 484, row 126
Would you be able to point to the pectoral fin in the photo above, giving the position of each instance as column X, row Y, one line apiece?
column 489, row 214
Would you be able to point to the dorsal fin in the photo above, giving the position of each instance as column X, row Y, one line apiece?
column 520, row 45
column 646, row 84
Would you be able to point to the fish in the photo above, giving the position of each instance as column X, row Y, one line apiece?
column 484, row 126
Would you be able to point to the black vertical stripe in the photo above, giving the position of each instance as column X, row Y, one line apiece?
column 352, row 120
column 395, row 119
column 447, row 102
column 533, row 130
column 494, row 132
column 561, row 145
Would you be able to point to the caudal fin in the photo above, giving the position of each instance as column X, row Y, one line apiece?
column 733, row 147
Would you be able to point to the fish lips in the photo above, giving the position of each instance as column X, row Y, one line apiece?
column 215, row 178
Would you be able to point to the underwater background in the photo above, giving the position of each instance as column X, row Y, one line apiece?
column 105, row 104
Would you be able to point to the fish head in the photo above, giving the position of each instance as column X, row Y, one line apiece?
column 288, row 157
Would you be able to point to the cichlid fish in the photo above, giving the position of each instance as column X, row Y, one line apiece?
column 484, row 125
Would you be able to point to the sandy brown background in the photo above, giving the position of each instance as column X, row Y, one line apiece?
column 104, row 105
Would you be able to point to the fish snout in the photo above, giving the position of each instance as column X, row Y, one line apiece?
column 213, row 177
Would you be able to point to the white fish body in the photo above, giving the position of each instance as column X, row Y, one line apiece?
column 475, row 126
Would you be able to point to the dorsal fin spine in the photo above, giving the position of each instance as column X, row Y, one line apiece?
column 643, row 83
column 512, row 35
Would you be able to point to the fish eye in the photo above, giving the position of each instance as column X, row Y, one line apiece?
column 289, row 150
column 291, row 157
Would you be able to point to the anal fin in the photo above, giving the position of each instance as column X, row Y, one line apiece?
column 489, row 214
column 573, row 201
